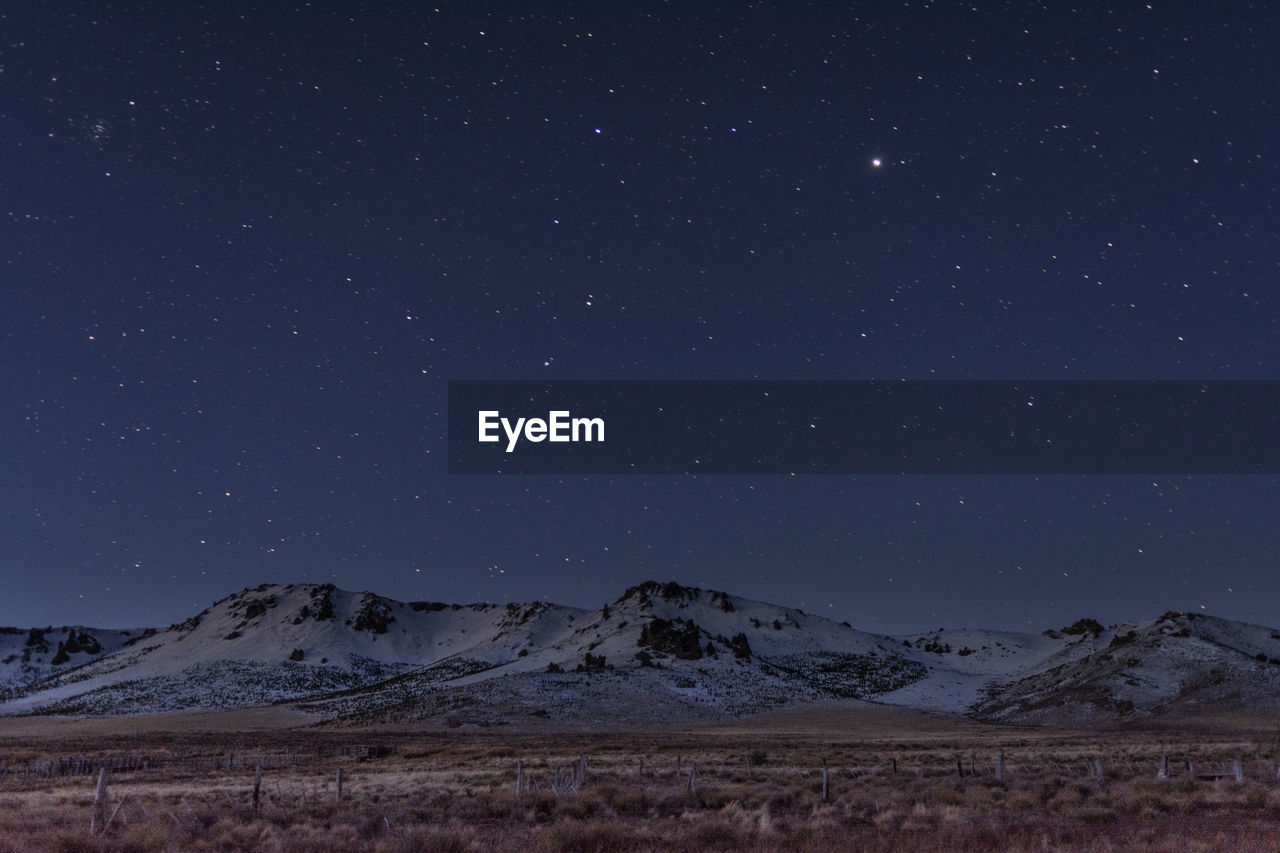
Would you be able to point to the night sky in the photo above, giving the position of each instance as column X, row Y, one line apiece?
column 245, row 246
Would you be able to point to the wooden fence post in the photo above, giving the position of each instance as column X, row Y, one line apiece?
column 1000, row 767
column 826, row 790
column 119, row 806
column 257, row 785
column 99, row 801
column 519, row 778
column 339, row 783
column 1163, row 772
column 693, row 778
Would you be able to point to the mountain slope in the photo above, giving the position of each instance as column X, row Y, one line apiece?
column 32, row 655
column 660, row 652
column 1179, row 663
column 276, row 642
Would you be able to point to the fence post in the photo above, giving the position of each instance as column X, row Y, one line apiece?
column 257, row 784
column 693, row 778
column 1163, row 772
column 339, row 783
column 519, row 778
column 119, row 806
column 99, row 801
column 826, row 791
column 1000, row 767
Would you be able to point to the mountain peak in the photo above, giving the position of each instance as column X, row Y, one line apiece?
column 661, row 648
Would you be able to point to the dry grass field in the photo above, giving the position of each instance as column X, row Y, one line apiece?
column 896, row 781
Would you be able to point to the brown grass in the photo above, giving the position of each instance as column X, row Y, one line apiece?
column 757, row 787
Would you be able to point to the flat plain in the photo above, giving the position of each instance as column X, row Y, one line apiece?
column 894, row 781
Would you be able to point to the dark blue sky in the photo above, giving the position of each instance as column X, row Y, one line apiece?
column 246, row 245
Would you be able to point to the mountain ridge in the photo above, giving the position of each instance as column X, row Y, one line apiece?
column 660, row 651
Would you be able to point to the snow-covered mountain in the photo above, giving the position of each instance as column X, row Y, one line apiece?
column 31, row 655
column 1178, row 663
column 276, row 642
column 660, row 652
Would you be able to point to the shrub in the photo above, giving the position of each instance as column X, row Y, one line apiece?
column 680, row 638
column 1084, row 626
column 594, row 837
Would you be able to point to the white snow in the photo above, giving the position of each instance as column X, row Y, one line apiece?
column 376, row 658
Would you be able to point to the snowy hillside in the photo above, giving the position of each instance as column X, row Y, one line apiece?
column 276, row 642
column 1181, row 662
column 660, row 652
column 965, row 665
column 31, row 655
